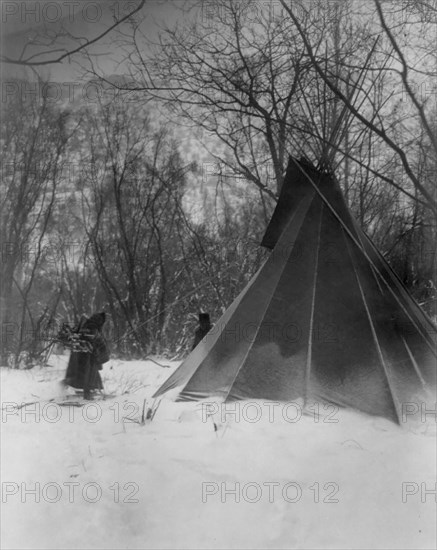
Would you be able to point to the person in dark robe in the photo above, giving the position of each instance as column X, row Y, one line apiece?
column 84, row 366
column 203, row 329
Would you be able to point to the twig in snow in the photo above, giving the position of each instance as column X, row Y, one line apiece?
column 152, row 411
column 143, row 413
column 136, row 389
column 156, row 363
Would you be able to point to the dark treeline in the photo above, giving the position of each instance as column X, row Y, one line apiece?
column 97, row 214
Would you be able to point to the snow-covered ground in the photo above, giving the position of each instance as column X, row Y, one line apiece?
column 95, row 477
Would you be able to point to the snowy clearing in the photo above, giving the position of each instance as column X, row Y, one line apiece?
column 95, row 477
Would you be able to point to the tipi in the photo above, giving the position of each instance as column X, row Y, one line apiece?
column 325, row 318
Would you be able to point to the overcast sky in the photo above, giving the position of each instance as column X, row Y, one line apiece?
column 22, row 21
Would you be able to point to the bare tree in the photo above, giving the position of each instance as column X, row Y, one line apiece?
column 131, row 186
column 34, row 136
column 236, row 81
column 392, row 58
column 249, row 84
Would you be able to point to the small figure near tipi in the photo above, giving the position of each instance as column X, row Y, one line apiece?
column 203, row 329
column 88, row 353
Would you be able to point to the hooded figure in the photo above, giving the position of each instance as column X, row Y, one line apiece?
column 203, row 329
column 83, row 366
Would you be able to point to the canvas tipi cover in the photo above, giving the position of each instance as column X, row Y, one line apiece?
column 325, row 318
